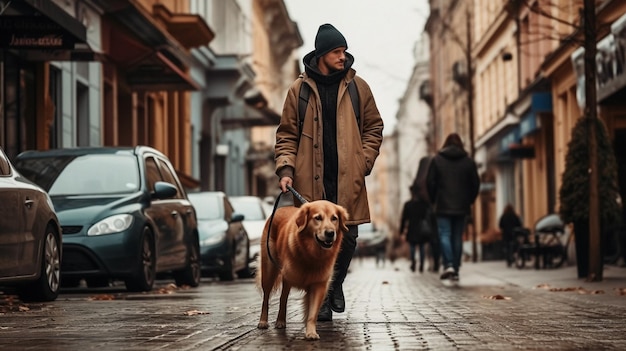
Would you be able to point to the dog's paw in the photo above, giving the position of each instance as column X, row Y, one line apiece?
column 263, row 325
column 280, row 324
column 311, row 336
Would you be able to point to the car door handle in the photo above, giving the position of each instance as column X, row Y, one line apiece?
column 29, row 203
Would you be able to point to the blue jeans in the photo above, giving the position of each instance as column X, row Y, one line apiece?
column 451, row 240
column 412, row 252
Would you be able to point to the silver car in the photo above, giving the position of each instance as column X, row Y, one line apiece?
column 224, row 243
column 30, row 237
column 255, row 215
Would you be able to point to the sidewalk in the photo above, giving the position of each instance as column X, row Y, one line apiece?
column 612, row 288
column 563, row 280
column 387, row 308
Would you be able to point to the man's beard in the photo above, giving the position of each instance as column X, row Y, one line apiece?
column 332, row 69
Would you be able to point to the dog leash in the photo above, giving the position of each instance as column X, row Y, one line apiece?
column 269, row 226
column 296, row 194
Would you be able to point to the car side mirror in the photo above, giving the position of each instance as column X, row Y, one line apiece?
column 237, row 217
column 164, row 190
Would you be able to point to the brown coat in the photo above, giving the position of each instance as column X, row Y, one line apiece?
column 356, row 151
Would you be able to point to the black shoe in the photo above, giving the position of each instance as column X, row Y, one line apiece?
column 337, row 301
column 326, row 314
column 447, row 274
column 412, row 267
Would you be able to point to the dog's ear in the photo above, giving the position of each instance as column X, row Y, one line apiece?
column 302, row 217
column 343, row 218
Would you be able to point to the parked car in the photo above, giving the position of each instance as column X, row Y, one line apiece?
column 371, row 240
column 30, row 237
column 123, row 212
column 224, row 243
column 255, row 216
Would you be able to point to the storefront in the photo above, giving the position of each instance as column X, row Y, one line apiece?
column 33, row 32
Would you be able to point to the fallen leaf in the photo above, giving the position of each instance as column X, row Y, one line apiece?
column 101, row 297
column 542, row 286
column 385, row 282
column 196, row 312
column 497, row 297
column 23, row 308
column 163, row 291
column 621, row 291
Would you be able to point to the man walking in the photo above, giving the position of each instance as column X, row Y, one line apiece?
column 453, row 185
column 326, row 152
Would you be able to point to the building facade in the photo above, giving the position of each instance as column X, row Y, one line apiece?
column 152, row 72
column 526, row 73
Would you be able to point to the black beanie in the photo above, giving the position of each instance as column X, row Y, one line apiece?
column 327, row 39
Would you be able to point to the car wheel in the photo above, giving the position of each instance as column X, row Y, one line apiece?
column 191, row 274
column 145, row 271
column 46, row 287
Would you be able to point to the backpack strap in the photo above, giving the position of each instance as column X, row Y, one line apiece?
column 303, row 101
column 354, row 96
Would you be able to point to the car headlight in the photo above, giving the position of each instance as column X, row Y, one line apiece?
column 212, row 240
column 110, row 225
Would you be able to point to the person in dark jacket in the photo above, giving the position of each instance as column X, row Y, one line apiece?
column 419, row 183
column 453, row 185
column 508, row 222
column 413, row 213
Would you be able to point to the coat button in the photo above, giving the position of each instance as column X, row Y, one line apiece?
column 317, row 177
column 315, row 119
column 315, row 146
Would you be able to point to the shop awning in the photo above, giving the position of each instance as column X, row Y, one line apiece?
column 244, row 116
column 151, row 57
column 181, row 25
column 52, row 11
column 146, row 68
column 42, row 31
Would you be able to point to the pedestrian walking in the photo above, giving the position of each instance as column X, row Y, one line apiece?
column 509, row 220
column 453, row 185
column 328, row 138
column 417, row 226
column 422, row 190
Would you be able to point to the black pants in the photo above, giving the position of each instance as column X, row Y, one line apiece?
column 348, row 245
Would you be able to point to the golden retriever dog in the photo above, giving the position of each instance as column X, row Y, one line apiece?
column 304, row 243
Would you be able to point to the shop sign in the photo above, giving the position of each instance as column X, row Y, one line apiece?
column 33, row 32
column 610, row 64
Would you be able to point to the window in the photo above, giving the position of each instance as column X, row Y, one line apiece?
column 152, row 173
column 5, row 169
column 56, row 96
column 82, row 114
column 169, row 177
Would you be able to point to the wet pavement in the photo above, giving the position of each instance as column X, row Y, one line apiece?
column 388, row 308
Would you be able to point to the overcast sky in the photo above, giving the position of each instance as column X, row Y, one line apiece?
column 381, row 36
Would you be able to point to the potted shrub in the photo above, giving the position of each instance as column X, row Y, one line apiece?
column 574, row 192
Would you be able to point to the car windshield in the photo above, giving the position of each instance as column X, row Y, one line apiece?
column 251, row 210
column 97, row 174
column 208, row 207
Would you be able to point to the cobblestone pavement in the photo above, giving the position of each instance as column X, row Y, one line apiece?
column 388, row 308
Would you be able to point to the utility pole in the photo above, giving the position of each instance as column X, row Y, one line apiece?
column 470, row 107
column 595, row 237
